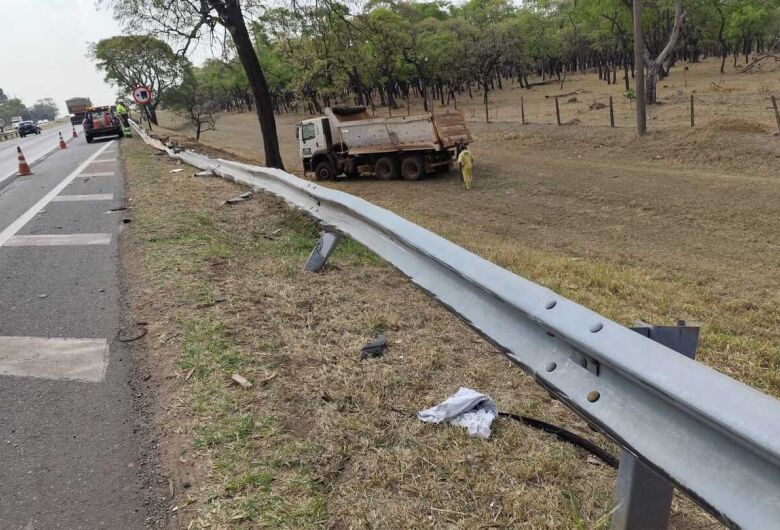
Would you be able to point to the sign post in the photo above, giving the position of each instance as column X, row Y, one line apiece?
column 142, row 95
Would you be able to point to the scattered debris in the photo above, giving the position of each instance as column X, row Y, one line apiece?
column 240, row 198
column 127, row 220
column 189, row 374
column 572, row 100
column 269, row 378
column 42, row 295
column 465, row 408
column 597, row 105
column 178, row 170
column 118, row 209
column 575, row 92
column 241, row 381
column 375, row 348
column 205, row 173
column 129, row 335
column 214, row 302
column 273, row 235
column 716, row 87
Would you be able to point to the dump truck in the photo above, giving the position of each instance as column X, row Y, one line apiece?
column 77, row 108
column 347, row 141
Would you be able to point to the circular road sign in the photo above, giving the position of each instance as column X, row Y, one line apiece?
column 142, row 95
column 2, row 122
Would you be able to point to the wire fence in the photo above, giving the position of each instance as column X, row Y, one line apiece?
column 716, row 107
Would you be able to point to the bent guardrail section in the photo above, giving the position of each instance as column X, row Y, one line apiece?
column 712, row 436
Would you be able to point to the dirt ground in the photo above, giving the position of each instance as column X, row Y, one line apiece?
column 699, row 205
column 680, row 224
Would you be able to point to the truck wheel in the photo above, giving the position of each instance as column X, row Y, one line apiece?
column 386, row 168
column 324, row 171
column 413, row 167
column 89, row 139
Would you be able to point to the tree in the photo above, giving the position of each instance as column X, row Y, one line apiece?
column 44, row 109
column 12, row 107
column 131, row 60
column 192, row 100
column 3, row 97
column 657, row 43
column 185, row 21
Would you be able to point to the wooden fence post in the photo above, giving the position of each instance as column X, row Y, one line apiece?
column 522, row 110
column 611, row 113
column 777, row 114
column 557, row 111
column 693, row 120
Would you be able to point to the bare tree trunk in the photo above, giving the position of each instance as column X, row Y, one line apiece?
column 654, row 65
column 641, row 116
column 485, row 99
column 234, row 23
column 651, row 82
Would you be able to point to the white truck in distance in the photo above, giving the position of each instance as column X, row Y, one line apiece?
column 347, row 141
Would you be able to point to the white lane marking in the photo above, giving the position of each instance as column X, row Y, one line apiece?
column 54, row 358
column 58, row 240
column 93, row 197
column 99, row 174
column 23, row 219
column 104, row 160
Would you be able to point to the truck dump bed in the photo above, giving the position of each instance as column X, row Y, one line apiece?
column 361, row 134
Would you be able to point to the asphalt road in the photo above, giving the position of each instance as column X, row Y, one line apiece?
column 68, row 453
column 33, row 147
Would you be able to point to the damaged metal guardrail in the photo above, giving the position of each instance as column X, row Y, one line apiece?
column 714, row 438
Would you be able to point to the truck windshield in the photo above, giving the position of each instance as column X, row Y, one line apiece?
column 307, row 131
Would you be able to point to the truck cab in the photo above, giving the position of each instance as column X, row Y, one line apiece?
column 315, row 145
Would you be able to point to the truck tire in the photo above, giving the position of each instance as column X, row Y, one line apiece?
column 89, row 139
column 324, row 171
column 413, row 167
column 386, row 168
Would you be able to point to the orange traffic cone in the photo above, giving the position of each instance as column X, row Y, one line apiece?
column 24, row 167
column 63, row 145
column 75, row 134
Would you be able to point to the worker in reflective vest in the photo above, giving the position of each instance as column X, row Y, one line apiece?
column 465, row 162
column 121, row 110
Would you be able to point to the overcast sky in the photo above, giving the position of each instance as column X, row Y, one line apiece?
column 44, row 47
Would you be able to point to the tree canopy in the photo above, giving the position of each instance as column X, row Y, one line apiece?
column 130, row 60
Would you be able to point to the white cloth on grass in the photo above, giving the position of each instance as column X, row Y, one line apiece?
column 465, row 408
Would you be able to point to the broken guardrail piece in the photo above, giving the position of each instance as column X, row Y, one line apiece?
column 322, row 251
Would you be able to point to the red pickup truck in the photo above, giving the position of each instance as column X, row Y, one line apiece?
column 101, row 121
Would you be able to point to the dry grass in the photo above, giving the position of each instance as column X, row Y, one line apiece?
column 680, row 224
column 324, row 439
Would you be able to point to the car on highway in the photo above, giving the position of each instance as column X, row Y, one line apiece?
column 101, row 121
column 28, row 127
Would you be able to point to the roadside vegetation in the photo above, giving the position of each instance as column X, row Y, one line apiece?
column 302, row 56
column 323, row 438
column 10, row 107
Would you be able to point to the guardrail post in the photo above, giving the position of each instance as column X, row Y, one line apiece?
column 322, row 250
column 645, row 498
